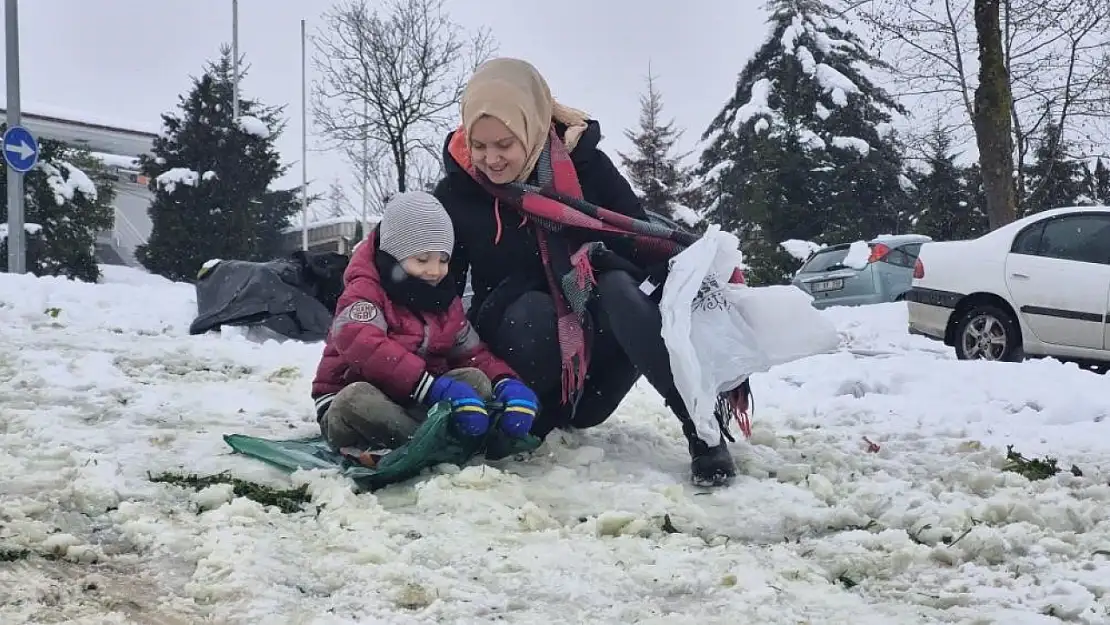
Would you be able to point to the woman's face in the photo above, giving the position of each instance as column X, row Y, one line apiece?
column 495, row 150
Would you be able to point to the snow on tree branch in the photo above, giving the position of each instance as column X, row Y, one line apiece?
column 66, row 185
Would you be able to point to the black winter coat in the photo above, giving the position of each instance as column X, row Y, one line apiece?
column 515, row 256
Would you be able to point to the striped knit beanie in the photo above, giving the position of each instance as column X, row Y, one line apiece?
column 415, row 223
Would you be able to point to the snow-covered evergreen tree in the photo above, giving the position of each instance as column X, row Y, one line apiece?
column 68, row 202
column 946, row 208
column 1101, row 183
column 803, row 150
column 655, row 170
column 338, row 204
column 211, row 177
column 1054, row 179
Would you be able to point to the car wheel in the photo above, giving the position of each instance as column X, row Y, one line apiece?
column 987, row 333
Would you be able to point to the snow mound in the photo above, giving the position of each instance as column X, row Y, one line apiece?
column 799, row 249
column 101, row 386
column 858, row 253
column 116, row 160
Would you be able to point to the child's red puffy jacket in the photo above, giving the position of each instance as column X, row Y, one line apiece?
column 391, row 347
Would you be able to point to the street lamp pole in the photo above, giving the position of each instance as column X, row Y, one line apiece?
column 304, row 144
column 235, row 60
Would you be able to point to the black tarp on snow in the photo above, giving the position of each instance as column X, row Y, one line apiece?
column 293, row 297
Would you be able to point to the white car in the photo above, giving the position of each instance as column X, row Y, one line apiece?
column 1038, row 287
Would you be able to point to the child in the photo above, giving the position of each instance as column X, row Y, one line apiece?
column 401, row 343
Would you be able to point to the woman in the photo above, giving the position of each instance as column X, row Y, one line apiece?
column 560, row 298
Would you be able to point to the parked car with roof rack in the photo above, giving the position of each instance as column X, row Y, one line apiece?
column 1038, row 287
column 882, row 273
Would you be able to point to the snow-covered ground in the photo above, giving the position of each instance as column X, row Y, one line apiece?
column 100, row 385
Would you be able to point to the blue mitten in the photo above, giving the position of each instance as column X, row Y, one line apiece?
column 521, row 406
column 468, row 411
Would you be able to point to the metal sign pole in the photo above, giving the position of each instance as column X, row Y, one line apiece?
column 17, row 240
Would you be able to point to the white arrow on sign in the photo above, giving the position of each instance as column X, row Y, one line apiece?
column 23, row 149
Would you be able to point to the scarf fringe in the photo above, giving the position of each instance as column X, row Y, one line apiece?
column 732, row 406
column 584, row 275
column 573, row 380
column 574, row 372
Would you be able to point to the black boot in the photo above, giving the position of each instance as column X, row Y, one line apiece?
column 709, row 465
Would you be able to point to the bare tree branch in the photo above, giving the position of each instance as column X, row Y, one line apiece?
column 1056, row 53
column 393, row 78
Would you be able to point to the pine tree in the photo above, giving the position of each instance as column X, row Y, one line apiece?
column 276, row 208
column 1053, row 180
column 801, row 150
column 1102, row 183
column 211, row 176
column 656, row 172
column 972, row 178
column 946, row 208
column 338, row 204
column 68, row 202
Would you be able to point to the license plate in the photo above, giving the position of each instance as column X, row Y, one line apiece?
column 828, row 285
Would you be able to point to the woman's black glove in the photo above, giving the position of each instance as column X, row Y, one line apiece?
column 603, row 259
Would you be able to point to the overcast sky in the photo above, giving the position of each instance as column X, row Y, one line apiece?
column 128, row 60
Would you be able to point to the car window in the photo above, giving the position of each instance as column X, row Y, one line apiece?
column 899, row 257
column 1028, row 241
column 912, row 250
column 828, row 258
column 1082, row 238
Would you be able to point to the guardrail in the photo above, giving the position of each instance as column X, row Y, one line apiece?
column 337, row 235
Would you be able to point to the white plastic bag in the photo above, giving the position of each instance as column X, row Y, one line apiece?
column 711, row 346
column 717, row 334
column 786, row 326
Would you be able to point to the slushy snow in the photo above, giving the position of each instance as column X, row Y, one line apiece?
column 871, row 493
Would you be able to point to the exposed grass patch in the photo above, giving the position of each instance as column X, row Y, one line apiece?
column 287, row 500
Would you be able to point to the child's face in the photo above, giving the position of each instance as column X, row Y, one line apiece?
column 431, row 267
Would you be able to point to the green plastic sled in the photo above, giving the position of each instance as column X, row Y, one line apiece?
column 435, row 442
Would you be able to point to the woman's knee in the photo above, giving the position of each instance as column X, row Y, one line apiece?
column 619, row 291
column 532, row 308
column 527, row 339
column 620, row 298
column 616, row 281
column 529, row 321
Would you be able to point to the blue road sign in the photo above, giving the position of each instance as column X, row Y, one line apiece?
column 21, row 151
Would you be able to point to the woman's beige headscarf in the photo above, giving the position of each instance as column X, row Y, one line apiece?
column 514, row 92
